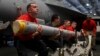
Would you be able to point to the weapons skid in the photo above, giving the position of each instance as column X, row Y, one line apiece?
column 25, row 27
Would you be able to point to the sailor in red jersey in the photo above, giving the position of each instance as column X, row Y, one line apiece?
column 27, row 17
column 32, row 40
column 73, row 25
column 67, row 26
column 89, row 27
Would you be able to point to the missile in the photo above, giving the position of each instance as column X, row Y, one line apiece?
column 25, row 27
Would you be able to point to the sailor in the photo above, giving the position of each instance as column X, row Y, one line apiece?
column 89, row 27
column 32, row 40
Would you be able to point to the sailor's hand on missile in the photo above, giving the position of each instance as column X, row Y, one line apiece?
column 59, row 33
column 38, row 31
column 56, row 36
column 83, row 33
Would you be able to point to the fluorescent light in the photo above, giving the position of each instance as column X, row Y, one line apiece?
column 87, row 4
column 94, row 14
column 91, row 12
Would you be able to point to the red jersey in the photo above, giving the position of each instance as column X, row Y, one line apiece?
column 26, row 17
column 70, row 28
column 89, row 25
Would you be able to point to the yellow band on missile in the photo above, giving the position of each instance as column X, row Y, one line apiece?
column 18, row 27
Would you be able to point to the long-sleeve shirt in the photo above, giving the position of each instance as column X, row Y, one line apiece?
column 70, row 28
